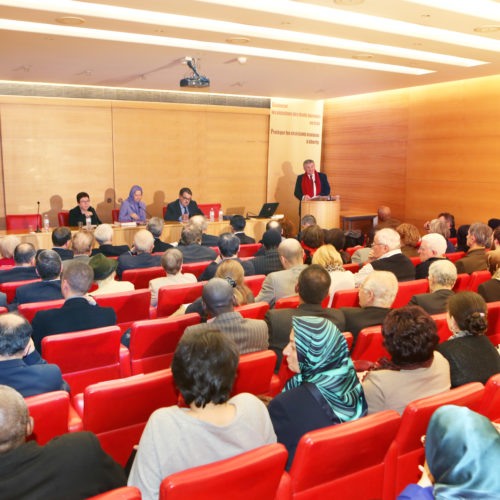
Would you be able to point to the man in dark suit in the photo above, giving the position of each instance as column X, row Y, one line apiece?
column 432, row 248
column 270, row 261
column 376, row 295
column 61, row 239
column 143, row 246
column 272, row 225
column 207, row 240
column 442, row 277
column 228, row 245
column 104, row 237
column 311, row 183
column 155, row 227
column 48, row 268
column 78, row 312
column 24, row 257
column 313, row 286
column 238, row 224
column 191, row 248
column 182, row 208
column 478, row 238
column 21, row 366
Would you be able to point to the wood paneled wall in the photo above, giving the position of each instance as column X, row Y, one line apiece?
column 53, row 148
column 421, row 150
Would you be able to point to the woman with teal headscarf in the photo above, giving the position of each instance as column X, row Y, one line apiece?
column 462, row 452
column 325, row 390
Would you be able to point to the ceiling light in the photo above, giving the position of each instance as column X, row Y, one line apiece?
column 243, row 31
column 486, row 9
column 70, row 20
column 349, row 2
column 487, row 28
column 238, row 40
column 119, row 36
column 362, row 57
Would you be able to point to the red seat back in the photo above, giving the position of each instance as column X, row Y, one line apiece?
column 63, row 218
column 254, row 372
column 254, row 283
column 205, row 208
column 10, row 288
column 115, row 213
column 442, row 327
column 85, row 357
column 345, row 298
column 476, row 278
column 490, row 406
column 251, row 475
column 248, row 249
column 415, row 260
column 351, row 250
column 255, row 310
column 407, row 289
column 287, row 303
column 369, row 345
column 171, row 297
column 153, row 342
column 348, row 338
column 23, row 221
column 141, row 277
column 493, row 331
column 129, row 306
column 353, row 267
column 462, row 282
column 195, row 268
column 117, row 410
column 31, row 308
column 124, row 493
column 454, row 256
column 347, row 459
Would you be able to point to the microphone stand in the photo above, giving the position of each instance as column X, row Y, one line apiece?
column 38, row 218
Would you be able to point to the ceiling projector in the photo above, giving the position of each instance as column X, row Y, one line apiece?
column 195, row 80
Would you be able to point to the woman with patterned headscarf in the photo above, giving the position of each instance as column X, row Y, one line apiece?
column 133, row 209
column 325, row 390
column 462, row 452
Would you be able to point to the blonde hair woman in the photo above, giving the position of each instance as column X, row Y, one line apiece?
column 232, row 271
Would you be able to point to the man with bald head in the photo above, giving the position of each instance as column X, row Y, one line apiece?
column 217, row 300
column 24, row 269
column 70, row 466
column 282, row 283
column 141, row 257
column 384, row 217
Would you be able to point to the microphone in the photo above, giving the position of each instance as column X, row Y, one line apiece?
column 37, row 217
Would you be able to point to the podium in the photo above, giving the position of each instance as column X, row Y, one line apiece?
column 327, row 213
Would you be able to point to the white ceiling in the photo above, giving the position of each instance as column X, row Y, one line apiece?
column 53, row 58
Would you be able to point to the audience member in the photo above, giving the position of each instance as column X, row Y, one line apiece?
column 61, row 241
column 306, row 221
column 312, row 286
column 450, row 222
column 384, row 219
column 325, row 390
column 409, row 239
column 191, row 248
column 104, row 276
column 213, row 428
column 82, row 211
column 183, row 208
column 270, row 260
column 271, row 225
column 440, row 226
column 7, row 246
column 386, row 256
column 171, row 261
column 207, row 240
column 494, row 223
column 312, row 238
column 71, row 466
column 143, row 246
column 471, row 355
column 238, row 224
column 336, row 238
column 415, row 369
column 327, row 257
column 442, row 277
column 155, row 227
column 82, row 247
column 490, row 290
column 104, row 237
column 478, row 238
column 78, row 312
column 495, row 238
column 287, row 228
column 282, row 283
column 462, row 238
column 376, row 296
column 362, row 255
column 21, row 366
column 24, row 269
column 132, row 209
column 432, row 249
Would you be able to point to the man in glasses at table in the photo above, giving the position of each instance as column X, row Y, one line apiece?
column 183, row 208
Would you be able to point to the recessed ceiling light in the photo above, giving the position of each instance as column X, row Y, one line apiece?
column 238, row 40
column 70, row 20
column 486, row 9
column 362, row 57
column 349, row 2
column 487, row 28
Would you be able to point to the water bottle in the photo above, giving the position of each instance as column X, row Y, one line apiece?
column 46, row 223
column 212, row 215
column 221, row 215
column 88, row 221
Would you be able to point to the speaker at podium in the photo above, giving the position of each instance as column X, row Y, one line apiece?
column 326, row 212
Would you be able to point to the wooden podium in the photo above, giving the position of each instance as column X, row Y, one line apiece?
column 327, row 213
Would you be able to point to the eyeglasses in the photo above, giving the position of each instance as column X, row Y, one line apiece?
column 375, row 244
column 186, row 198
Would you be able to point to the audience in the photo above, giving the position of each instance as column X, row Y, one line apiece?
column 155, row 227
column 141, row 258
column 71, row 466
column 232, row 272
column 336, row 238
column 362, row 255
column 212, row 428
column 409, row 239
column 271, row 225
column 490, row 290
column 440, row 226
column 104, row 237
column 200, row 221
column 104, row 276
column 270, row 261
column 325, row 390
column 432, row 249
column 312, row 238
column 450, row 222
column 415, row 370
column 82, row 247
column 462, row 238
column 7, row 246
column 495, row 238
column 442, row 277
column 478, row 238
column 24, row 268
column 238, row 224
column 471, row 355
column 61, row 239
column 191, row 248
column 384, row 219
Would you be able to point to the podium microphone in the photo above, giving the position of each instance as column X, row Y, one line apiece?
column 38, row 218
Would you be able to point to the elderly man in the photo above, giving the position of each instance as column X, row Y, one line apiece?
column 282, row 283
column 442, row 277
column 207, row 240
column 171, row 261
column 24, row 257
column 313, row 286
column 82, row 247
column 229, row 245
column 143, row 246
column 311, row 183
column 386, row 256
column 384, row 218
column 61, row 239
column 376, row 296
column 478, row 238
column 191, row 248
column 270, row 260
column 104, row 236
column 238, row 224
column 217, row 300
column 78, row 312
column 21, row 366
column 432, row 248
column 70, row 466
column 155, row 227
column 183, row 208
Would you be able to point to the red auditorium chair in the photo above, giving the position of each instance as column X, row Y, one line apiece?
column 29, row 309
column 490, row 406
column 23, row 221
column 153, row 342
column 124, row 493
column 205, row 208
column 345, row 298
column 462, row 282
column 10, row 288
column 345, row 461
column 3, row 310
column 352, row 266
column 255, row 310
column 195, row 268
column 254, row 474
column 407, row 289
column 493, row 322
column 248, row 249
column 255, row 373
column 406, row 452
column 117, row 410
column 87, row 357
column 287, row 303
column 415, row 261
column 141, row 277
column 476, row 278
column 63, row 218
column 254, row 283
column 442, row 327
column 115, row 213
column 369, row 345
column 453, row 241
column 53, row 416
column 454, row 256
column 171, row 297
column 351, row 250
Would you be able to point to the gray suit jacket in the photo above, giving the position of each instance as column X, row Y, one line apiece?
column 433, row 303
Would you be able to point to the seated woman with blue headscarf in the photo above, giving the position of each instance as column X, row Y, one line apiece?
column 133, row 209
column 462, row 453
column 325, row 390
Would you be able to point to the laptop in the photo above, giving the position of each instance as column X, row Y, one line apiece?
column 266, row 211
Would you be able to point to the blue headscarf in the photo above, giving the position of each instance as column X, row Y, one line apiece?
column 325, row 362
column 463, row 453
column 134, row 204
